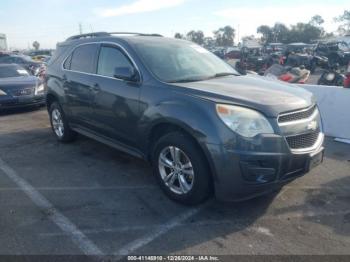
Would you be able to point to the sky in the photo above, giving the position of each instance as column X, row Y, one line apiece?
column 52, row 21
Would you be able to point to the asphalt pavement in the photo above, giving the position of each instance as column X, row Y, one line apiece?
column 87, row 198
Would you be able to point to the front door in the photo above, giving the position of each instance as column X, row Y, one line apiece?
column 115, row 101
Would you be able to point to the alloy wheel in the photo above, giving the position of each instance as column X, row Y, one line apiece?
column 176, row 170
column 57, row 122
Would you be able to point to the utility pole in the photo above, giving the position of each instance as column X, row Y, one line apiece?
column 80, row 29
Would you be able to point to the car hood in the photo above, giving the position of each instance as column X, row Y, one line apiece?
column 270, row 97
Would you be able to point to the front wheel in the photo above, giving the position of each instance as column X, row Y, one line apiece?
column 181, row 169
column 60, row 125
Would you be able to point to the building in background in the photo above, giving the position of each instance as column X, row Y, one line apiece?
column 3, row 42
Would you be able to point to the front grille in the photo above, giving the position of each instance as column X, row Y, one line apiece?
column 289, row 117
column 303, row 141
column 23, row 92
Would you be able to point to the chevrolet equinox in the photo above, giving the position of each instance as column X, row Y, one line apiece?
column 203, row 127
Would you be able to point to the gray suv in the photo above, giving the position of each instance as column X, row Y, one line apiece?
column 203, row 127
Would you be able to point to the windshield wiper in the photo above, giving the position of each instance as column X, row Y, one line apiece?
column 186, row 80
column 224, row 74
column 197, row 79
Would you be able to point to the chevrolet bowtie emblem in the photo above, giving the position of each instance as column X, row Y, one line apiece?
column 312, row 125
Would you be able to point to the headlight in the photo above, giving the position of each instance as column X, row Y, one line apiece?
column 37, row 71
column 39, row 89
column 246, row 122
column 2, row 93
column 330, row 76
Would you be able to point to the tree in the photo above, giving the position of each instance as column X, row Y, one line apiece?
column 225, row 36
column 305, row 33
column 196, row 36
column 301, row 32
column 266, row 33
column 344, row 21
column 316, row 20
column 280, row 33
column 36, row 45
column 179, row 36
column 209, row 41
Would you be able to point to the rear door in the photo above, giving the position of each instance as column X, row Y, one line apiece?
column 78, row 82
column 115, row 101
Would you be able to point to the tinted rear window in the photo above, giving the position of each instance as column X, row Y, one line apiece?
column 83, row 58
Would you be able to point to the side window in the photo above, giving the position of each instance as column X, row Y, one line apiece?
column 83, row 58
column 109, row 59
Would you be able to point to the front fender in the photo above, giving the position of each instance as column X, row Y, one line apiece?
column 197, row 119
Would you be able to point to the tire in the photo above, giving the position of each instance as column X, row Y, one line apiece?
column 339, row 81
column 191, row 168
column 313, row 67
column 59, row 124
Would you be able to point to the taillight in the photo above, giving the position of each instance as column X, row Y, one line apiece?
column 286, row 77
column 347, row 81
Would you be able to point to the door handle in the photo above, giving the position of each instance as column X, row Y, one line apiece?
column 95, row 88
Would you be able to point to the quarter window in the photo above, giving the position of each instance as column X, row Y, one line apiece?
column 67, row 63
column 83, row 58
column 109, row 59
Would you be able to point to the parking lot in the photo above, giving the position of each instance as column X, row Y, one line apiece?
column 87, row 198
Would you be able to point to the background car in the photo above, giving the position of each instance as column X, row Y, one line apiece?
column 19, row 88
column 25, row 61
column 336, row 52
column 44, row 52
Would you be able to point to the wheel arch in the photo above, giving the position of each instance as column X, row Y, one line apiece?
column 51, row 98
column 161, row 129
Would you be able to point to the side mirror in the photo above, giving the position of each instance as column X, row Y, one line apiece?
column 125, row 73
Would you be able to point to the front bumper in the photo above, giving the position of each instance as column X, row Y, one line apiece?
column 242, row 175
column 16, row 102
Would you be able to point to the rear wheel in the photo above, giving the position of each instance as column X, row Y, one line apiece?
column 181, row 169
column 60, row 125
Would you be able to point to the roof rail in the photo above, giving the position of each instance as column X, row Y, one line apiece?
column 133, row 33
column 105, row 34
column 90, row 35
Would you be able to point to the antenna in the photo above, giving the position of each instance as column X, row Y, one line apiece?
column 80, row 29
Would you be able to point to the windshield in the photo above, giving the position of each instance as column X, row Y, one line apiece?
column 12, row 71
column 180, row 61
